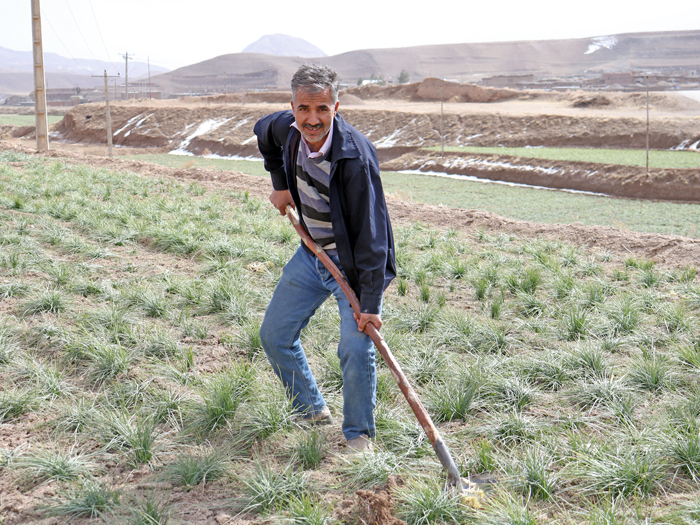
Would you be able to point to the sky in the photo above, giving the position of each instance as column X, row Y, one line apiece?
column 176, row 33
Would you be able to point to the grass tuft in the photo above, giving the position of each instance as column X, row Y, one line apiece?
column 622, row 469
column 222, row 394
column 48, row 301
column 536, row 476
column 423, row 504
column 452, row 399
column 309, row 449
column 91, row 499
column 44, row 465
column 266, row 489
column 190, row 470
column 368, row 470
column 15, row 403
column 306, row 510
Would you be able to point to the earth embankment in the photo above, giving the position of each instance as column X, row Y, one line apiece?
column 607, row 179
column 228, row 127
column 401, row 135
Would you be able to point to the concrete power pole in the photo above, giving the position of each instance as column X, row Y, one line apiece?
column 42, row 123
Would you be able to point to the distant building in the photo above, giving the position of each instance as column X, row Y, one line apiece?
column 623, row 79
column 507, row 81
column 65, row 96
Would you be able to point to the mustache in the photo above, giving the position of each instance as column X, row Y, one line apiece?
column 314, row 127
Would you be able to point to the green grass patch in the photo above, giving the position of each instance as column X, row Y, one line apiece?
column 526, row 204
column 623, row 157
column 26, row 120
column 249, row 167
column 547, row 206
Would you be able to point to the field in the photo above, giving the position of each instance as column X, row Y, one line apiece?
column 519, row 203
column 558, row 143
column 622, row 157
column 134, row 389
column 25, row 120
column 553, row 336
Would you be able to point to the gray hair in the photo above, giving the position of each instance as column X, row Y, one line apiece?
column 312, row 78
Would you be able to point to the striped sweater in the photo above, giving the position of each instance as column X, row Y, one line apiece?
column 313, row 175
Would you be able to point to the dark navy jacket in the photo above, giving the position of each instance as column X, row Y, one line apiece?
column 359, row 216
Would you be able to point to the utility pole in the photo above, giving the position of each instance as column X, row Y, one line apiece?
column 442, row 115
column 42, row 123
column 108, row 115
column 647, row 82
column 149, row 78
column 126, row 74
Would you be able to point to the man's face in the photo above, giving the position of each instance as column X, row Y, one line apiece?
column 313, row 113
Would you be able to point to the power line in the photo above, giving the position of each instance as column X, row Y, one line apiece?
column 43, row 14
column 81, row 33
column 99, row 31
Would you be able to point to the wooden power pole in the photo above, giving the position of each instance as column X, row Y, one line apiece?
column 647, row 82
column 126, row 74
column 42, row 123
column 108, row 115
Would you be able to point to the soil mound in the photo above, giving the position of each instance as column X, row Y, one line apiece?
column 346, row 99
column 268, row 97
column 432, row 89
column 376, row 507
column 588, row 101
column 8, row 131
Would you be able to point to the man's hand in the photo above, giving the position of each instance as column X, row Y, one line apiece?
column 375, row 319
column 280, row 199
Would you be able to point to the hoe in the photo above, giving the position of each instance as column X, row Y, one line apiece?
column 469, row 491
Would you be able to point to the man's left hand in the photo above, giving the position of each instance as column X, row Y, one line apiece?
column 375, row 319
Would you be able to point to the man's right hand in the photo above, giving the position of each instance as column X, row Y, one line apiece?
column 280, row 199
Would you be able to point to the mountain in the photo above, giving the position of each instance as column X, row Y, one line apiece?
column 463, row 62
column 284, row 46
column 664, row 52
column 19, row 61
column 17, row 71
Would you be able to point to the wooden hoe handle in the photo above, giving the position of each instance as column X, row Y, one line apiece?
column 418, row 409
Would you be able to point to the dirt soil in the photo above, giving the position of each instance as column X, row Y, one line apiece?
column 671, row 251
column 149, row 127
column 402, row 120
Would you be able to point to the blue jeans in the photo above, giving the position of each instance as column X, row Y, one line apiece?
column 303, row 288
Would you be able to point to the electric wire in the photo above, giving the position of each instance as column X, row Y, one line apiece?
column 47, row 19
column 99, row 31
column 81, row 33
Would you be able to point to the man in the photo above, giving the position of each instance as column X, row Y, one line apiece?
column 329, row 172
